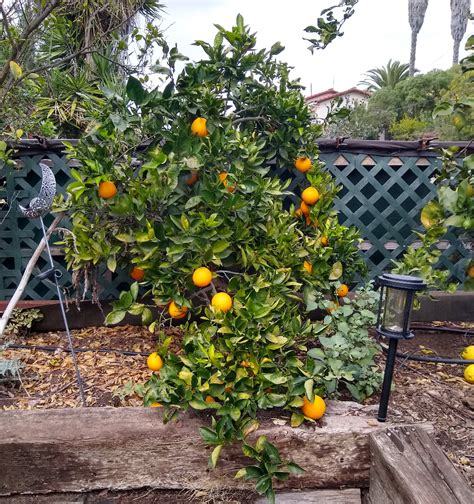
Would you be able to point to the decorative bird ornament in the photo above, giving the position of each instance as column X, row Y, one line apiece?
column 42, row 204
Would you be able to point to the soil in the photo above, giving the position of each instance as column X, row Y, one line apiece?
column 423, row 392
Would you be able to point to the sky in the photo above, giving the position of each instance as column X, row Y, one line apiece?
column 378, row 31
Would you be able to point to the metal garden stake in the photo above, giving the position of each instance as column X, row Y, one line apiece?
column 38, row 208
column 393, row 322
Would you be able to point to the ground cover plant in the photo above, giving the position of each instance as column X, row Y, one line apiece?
column 175, row 187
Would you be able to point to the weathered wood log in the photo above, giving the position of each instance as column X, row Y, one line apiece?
column 407, row 467
column 76, row 450
column 349, row 496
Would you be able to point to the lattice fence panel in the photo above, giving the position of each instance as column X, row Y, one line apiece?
column 381, row 195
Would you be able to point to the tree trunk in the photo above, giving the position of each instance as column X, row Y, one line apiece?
column 414, row 36
column 456, row 52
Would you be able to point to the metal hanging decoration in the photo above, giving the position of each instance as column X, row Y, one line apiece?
column 38, row 208
column 397, row 293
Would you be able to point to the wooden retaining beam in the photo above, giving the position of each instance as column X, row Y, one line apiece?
column 80, row 450
column 407, row 467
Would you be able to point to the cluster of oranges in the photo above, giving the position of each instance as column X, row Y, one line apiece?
column 309, row 197
column 468, row 354
column 202, row 276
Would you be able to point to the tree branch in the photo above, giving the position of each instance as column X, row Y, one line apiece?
column 7, row 26
column 31, row 27
column 244, row 119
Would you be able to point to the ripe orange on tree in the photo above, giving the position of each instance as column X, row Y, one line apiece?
column 222, row 301
column 177, row 312
column 192, row 179
column 137, row 273
column 310, row 195
column 107, row 189
column 314, row 410
column 154, row 362
column 324, row 241
column 202, row 277
column 470, row 271
column 304, row 208
column 223, row 178
column 308, row 267
column 303, row 164
column 209, row 399
column 199, row 127
column 342, row 291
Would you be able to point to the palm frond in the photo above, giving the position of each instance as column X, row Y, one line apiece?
column 387, row 76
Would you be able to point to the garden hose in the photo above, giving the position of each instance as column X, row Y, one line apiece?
column 401, row 355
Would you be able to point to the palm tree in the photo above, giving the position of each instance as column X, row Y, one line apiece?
column 416, row 16
column 459, row 16
column 387, row 76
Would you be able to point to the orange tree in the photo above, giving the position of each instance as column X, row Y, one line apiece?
column 195, row 217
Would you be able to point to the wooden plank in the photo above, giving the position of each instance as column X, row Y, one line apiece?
column 77, row 450
column 409, row 468
column 348, row 496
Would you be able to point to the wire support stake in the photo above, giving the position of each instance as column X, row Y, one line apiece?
column 66, row 325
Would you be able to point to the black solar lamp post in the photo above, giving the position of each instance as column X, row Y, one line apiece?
column 393, row 322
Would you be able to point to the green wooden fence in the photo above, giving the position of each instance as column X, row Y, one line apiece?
column 384, row 187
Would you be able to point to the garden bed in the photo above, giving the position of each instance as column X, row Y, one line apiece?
column 434, row 393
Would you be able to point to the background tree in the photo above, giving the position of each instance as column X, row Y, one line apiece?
column 416, row 17
column 405, row 112
column 387, row 76
column 460, row 10
column 57, row 58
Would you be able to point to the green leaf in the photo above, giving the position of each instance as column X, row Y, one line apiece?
column 195, row 404
column 296, row 419
column 147, row 316
column 260, row 444
column 442, row 109
column 294, row 468
column 135, row 90
column 114, row 317
column 253, row 472
column 136, row 309
column 134, row 290
column 215, row 455
column 263, row 484
column 272, row 452
column 249, row 451
column 220, row 246
column 317, row 353
column 208, row 435
column 250, row 426
column 276, row 48
column 308, row 387
column 336, row 271
column 240, row 24
column 15, row 69
column 112, row 263
column 192, row 202
column 240, row 473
